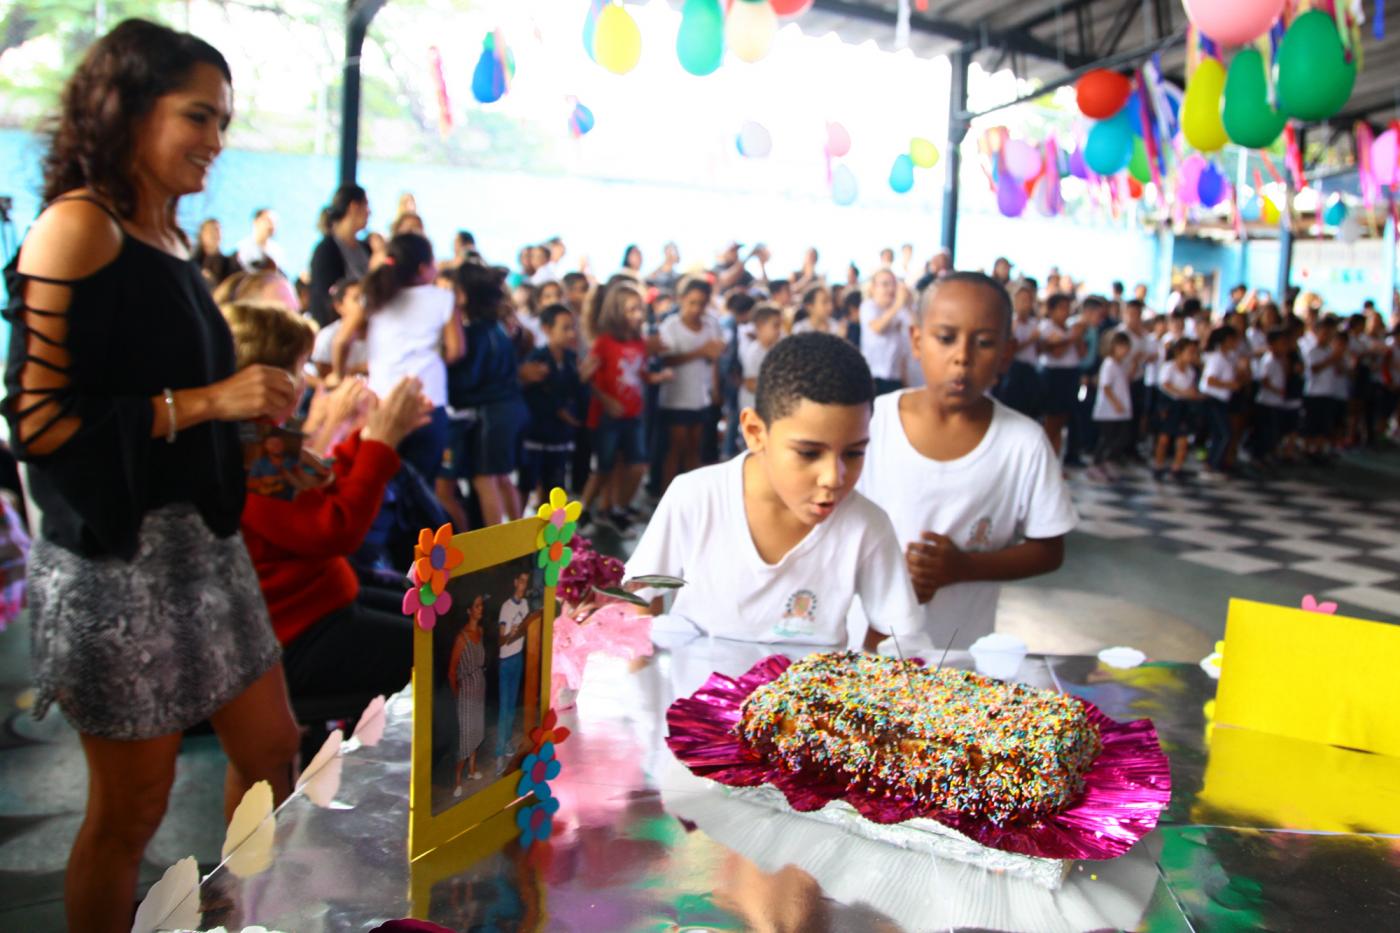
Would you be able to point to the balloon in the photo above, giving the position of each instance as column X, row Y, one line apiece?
column 1133, row 111
column 838, row 141
column 1077, row 167
column 1253, row 210
column 923, row 152
column 488, row 79
column 1269, row 213
column 700, row 42
column 1135, row 188
column 1312, row 75
column 1233, row 22
column 1200, row 113
column 1336, row 211
column 1011, row 196
column 1211, row 186
column 1048, row 200
column 843, row 186
column 755, row 142
column 617, row 42
column 1138, row 166
column 580, row 121
column 1102, row 93
column 791, row 7
column 590, row 26
column 750, row 29
column 1247, row 117
column 902, row 174
column 1022, row 159
column 1190, row 175
column 1109, row 146
column 1385, row 154
column 1349, row 230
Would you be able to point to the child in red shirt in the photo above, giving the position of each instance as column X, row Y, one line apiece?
column 618, row 362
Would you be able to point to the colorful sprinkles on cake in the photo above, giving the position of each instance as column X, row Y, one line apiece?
column 949, row 738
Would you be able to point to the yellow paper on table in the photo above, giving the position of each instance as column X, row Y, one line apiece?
column 1311, row 676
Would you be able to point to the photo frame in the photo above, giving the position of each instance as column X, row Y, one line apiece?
column 484, row 602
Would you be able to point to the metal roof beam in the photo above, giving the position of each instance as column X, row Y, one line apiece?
column 973, row 38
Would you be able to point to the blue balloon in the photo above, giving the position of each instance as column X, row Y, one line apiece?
column 843, row 186
column 1211, row 187
column 1253, row 210
column 488, row 80
column 1109, row 147
column 1336, row 211
column 902, row 174
column 590, row 26
column 1133, row 111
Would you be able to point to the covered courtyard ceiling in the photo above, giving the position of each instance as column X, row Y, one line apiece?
column 1043, row 40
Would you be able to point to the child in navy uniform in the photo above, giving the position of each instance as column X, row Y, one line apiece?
column 553, row 401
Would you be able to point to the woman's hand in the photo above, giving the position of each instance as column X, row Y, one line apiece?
column 255, row 391
column 400, row 413
column 347, row 403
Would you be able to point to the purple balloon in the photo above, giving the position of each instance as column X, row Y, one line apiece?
column 1211, row 187
column 1011, row 196
column 1077, row 168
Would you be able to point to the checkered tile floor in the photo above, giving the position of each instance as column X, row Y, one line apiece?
column 1315, row 539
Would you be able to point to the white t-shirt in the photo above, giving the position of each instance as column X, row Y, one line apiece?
column 513, row 612
column 1025, row 333
column 1008, row 488
column 1175, row 381
column 884, row 351
column 1258, row 340
column 1216, row 365
column 548, row 272
column 1270, row 372
column 700, row 532
column 405, row 339
column 750, row 361
column 1069, row 359
column 1153, row 348
column 1324, row 383
column 322, row 351
column 250, row 252
column 1113, row 375
column 694, row 381
column 1137, row 356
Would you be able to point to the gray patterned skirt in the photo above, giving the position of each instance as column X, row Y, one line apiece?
column 143, row 649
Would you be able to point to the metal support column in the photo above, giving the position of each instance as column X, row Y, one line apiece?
column 1386, row 304
column 952, row 155
column 1285, row 232
column 358, row 15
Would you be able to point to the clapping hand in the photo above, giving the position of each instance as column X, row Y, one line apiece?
column 934, row 562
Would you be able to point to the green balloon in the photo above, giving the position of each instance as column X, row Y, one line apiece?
column 1137, row 166
column 700, row 42
column 1248, row 118
column 1313, row 77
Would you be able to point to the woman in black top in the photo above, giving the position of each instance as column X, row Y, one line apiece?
column 340, row 254
column 121, row 397
column 208, row 254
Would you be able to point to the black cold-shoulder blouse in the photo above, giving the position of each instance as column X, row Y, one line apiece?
column 140, row 324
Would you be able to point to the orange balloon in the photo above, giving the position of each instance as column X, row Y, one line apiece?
column 1102, row 93
column 1134, row 188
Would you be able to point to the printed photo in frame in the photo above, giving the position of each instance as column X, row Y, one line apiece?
column 481, row 678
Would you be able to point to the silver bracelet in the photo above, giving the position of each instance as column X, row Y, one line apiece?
column 173, row 428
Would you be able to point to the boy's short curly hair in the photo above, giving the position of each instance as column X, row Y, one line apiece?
column 820, row 368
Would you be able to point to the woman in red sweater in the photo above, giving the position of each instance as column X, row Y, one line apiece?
column 341, row 646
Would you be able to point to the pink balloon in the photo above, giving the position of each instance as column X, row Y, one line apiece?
column 838, row 141
column 1189, row 178
column 1385, row 158
column 1022, row 159
column 1233, row 22
column 1011, row 196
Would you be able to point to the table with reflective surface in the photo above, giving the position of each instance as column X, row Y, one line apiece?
column 1262, row 833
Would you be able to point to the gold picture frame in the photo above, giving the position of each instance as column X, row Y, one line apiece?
column 486, row 563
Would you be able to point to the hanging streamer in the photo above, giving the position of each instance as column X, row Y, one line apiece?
column 440, row 85
column 1364, row 139
column 1293, row 157
column 1378, row 20
column 1149, row 131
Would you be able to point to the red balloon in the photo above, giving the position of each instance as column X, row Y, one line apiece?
column 791, row 7
column 1134, row 188
column 1102, row 93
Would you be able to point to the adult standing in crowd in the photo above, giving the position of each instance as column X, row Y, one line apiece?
column 340, row 254
column 259, row 250
column 209, row 256
column 122, row 397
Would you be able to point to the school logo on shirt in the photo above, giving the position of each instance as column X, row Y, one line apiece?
column 980, row 538
column 799, row 615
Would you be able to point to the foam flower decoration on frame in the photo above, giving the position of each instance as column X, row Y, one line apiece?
column 1211, row 663
column 549, row 731
column 423, row 603
column 435, row 558
column 1310, row 604
column 561, row 521
column 538, row 769
column 536, row 823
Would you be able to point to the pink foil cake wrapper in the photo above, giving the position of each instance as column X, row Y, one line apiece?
column 1125, row 790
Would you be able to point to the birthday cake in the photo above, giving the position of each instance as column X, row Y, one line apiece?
column 952, row 739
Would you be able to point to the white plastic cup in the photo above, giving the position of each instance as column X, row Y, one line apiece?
column 998, row 655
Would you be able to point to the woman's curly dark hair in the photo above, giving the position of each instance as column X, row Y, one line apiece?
column 118, row 82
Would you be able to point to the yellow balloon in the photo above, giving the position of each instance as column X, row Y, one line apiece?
column 749, row 29
column 1200, row 111
column 617, row 42
column 1269, row 213
column 923, row 152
